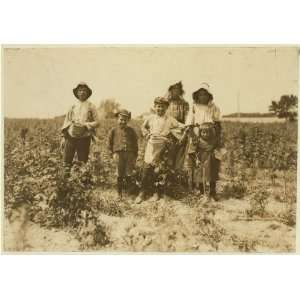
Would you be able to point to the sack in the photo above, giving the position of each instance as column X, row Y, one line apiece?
column 77, row 130
column 157, row 139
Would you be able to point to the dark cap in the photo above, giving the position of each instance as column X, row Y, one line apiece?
column 123, row 112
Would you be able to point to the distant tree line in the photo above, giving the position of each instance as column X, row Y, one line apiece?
column 286, row 108
column 250, row 115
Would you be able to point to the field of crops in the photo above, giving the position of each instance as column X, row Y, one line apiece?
column 46, row 211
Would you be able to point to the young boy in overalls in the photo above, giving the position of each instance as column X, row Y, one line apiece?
column 123, row 146
column 156, row 129
column 79, row 126
column 203, row 111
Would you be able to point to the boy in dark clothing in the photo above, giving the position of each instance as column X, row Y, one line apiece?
column 123, row 146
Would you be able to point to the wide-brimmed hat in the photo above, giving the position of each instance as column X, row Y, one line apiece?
column 203, row 86
column 176, row 85
column 161, row 100
column 82, row 85
column 123, row 112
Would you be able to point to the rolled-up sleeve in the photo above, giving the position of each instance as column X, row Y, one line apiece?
column 145, row 127
column 190, row 119
column 216, row 114
column 177, row 124
column 95, row 116
column 67, row 121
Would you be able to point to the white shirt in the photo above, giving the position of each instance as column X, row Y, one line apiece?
column 200, row 114
column 160, row 125
column 84, row 113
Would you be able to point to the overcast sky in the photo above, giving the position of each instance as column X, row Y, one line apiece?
column 38, row 82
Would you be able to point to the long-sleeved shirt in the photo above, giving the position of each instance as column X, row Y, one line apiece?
column 200, row 114
column 123, row 139
column 83, row 113
column 159, row 127
column 178, row 109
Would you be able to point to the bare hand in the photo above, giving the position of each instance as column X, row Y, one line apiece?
column 62, row 144
column 115, row 157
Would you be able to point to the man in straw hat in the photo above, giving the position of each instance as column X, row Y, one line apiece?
column 156, row 129
column 123, row 146
column 79, row 125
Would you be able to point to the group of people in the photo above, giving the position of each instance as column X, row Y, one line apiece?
column 191, row 135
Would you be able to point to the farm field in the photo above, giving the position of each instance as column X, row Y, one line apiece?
column 254, row 120
column 44, row 211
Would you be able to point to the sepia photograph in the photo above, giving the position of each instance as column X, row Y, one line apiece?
column 150, row 149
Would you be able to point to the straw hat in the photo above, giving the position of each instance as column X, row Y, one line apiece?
column 82, row 85
column 203, row 86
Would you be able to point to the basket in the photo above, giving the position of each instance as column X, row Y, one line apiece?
column 77, row 130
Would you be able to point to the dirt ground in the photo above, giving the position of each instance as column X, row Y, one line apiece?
column 188, row 225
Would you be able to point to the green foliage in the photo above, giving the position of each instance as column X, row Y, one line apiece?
column 235, row 188
column 210, row 231
column 258, row 202
column 264, row 146
column 286, row 107
column 34, row 175
column 243, row 244
column 108, row 108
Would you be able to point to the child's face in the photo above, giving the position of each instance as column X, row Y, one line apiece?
column 160, row 109
column 122, row 120
column 204, row 133
column 175, row 92
column 203, row 97
column 82, row 93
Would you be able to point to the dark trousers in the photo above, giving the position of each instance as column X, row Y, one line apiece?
column 125, row 163
column 125, row 167
column 147, row 177
column 81, row 146
column 148, row 181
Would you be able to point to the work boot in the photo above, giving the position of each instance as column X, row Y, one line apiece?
column 191, row 180
column 201, row 188
column 140, row 198
column 120, row 184
column 166, row 197
column 155, row 197
column 130, row 185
